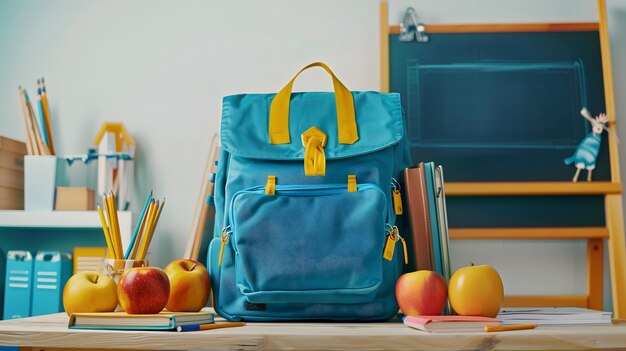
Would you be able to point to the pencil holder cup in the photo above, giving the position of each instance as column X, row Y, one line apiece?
column 115, row 267
column 41, row 176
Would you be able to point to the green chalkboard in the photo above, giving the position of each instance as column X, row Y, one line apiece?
column 500, row 106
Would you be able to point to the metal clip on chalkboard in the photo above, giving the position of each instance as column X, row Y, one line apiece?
column 411, row 29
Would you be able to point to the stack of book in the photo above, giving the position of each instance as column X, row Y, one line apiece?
column 429, row 223
column 554, row 316
column 11, row 174
column 124, row 321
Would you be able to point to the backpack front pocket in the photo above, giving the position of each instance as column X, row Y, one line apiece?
column 309, row 244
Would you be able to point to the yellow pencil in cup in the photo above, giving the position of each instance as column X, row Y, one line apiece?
column 115, row 226
column 107, row 215
column 142, row 226
column 109, row 212
column 107, row 236
column 144, row 229
column 143, row 250
column 156, row 222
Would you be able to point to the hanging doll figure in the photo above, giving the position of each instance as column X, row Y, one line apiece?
column 587, row 151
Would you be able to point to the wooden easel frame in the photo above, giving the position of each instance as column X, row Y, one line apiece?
column 613, row 231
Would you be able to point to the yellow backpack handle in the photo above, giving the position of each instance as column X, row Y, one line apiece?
column 346, row 119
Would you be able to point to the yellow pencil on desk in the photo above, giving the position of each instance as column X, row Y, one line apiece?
column 501, row 328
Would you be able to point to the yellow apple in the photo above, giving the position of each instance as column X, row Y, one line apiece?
column 421, row 293
column 476, row 291
column 190, row 285
column 89, row 292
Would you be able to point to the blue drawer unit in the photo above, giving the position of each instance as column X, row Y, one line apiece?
column 51, row 270
column 18, row 285
column 3, row 263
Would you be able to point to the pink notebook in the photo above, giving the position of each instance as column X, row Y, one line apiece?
column 449, row 324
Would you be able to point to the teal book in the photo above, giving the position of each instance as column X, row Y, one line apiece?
column 124, row 321
column 429, row 170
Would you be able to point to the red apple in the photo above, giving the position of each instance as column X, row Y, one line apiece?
column 476, row 291
column 143, row 290
column 89, row 292
column 421, row 293
column 190, row 285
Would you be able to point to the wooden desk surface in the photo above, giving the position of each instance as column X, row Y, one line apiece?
column 50, row 332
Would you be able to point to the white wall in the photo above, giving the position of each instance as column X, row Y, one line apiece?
column 161, row 67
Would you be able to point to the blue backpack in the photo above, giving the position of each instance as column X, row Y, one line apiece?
column 304, row 205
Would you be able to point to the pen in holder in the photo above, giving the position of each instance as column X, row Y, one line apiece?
column 142, row 236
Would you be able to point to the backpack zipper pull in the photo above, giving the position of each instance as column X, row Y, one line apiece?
column 390, row 244
column 397, row 197
column 225, row 235
column 406, row 255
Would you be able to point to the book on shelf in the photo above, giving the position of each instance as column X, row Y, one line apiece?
column 12, row 145
column 11, row 160
column 124, row 321
column 450, row 324
column 554, row 316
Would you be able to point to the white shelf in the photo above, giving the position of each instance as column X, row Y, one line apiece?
column 63, row 219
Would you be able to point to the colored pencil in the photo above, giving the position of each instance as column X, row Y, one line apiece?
column 149, row 230
column 117, row 239
column 156, row 221
column 501, row 328
column 29, row 138
column 31, row 124
column 107, row 235
column 42, row 149
column 140, row 223
column 142, row 229
column 46, row 113
column 42, row 118
column 109, row 211
column 208, row 326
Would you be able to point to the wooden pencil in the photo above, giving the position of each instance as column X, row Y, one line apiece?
column 144, row 224
column 107, row 235
column 156, row 222
column 109, row 213
column 143, row 250
column 46, row 113
column 29, row 141
column 42, row 149
column 41, row 119
column 115, row 226
column 150, row 231
column 138, row 227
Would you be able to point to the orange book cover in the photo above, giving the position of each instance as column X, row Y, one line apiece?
column 419, row 216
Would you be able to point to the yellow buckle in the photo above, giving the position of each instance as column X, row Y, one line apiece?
column 270, row 187
column 352, row 183
column 314, row 141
